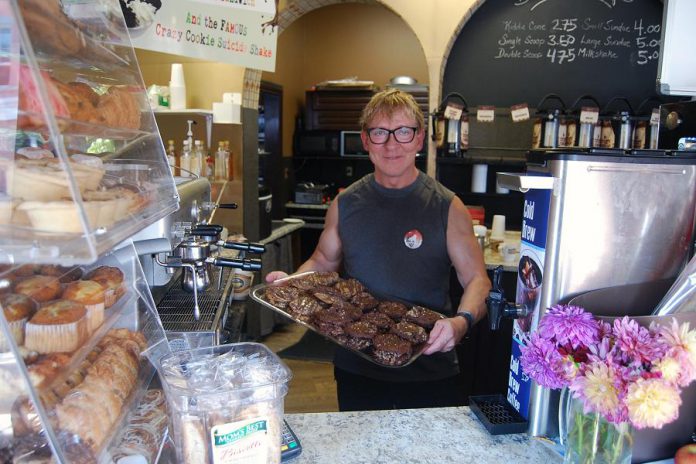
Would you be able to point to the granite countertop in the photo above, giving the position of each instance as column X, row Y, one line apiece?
column 282, row 228
column 493, row 258
column 417, row 436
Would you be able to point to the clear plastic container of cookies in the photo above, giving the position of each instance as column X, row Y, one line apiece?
column 386, row 332
column 226, row 403
column 72, row 105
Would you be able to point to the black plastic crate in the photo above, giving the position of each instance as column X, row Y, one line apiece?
column 496, row 414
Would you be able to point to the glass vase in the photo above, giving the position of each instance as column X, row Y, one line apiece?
column 591, row 439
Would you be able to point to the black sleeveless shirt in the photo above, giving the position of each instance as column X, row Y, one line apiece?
column 395, row 242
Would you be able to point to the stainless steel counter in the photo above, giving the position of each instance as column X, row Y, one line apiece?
column 437, row 435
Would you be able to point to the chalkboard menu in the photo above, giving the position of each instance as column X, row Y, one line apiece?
column 515, row 51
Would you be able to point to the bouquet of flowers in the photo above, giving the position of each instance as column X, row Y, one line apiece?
column 622, row 373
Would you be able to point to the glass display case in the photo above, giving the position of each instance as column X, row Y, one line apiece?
column 82, row 169
column 78, row 346
column 82, row 165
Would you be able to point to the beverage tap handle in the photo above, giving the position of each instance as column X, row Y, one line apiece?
column 228, row 205
column 498, row 306
column 497, row 279
column 256, row 248
column 496, row 300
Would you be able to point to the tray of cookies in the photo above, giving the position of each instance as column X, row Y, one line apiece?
column 387, row 333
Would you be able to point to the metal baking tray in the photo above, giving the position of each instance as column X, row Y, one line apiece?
column 257, row 294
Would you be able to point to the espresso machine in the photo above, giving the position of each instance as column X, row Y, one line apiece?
column 592, row 219
column 189, row 265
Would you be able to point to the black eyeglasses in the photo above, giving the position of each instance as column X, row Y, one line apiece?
column 380, row 135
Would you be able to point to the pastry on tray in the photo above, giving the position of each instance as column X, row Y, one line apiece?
column 391, row 349
column 410, row 332
column 423, row 317
column 393, row 309
column 360, row 335
column 344, row 311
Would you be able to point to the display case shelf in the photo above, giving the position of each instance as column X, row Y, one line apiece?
column 82, row 165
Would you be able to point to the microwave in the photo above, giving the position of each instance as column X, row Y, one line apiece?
column 329, row 143
column 318, row 143
column 351, row 144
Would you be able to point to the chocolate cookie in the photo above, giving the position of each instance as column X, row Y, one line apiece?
column 352, row 312
column 326, row 294
column 325, row 278
column 349, row 288
column 391, row 349
column 360, row 335
column 381, row 320
column 410, row 331
column 281, row 295
column 303, row 283
column 304, row 307
column 331, row 323
column 424, row 317
column 365, row 301
column 393, row 309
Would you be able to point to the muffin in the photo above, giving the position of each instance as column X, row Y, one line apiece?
column 17, row 309
column 393, row 309
column 349, row 288
column 40, row 288
column 304, row 308
column 58, row 327
column 410, row 332
column 111, row 278
column 280, row 295
column 423, row 317
column 65, row 274
column 26, row 270
column 92, row 295
column 391, row 350
column 381, row 320
column 365, row 301
column 360, row 335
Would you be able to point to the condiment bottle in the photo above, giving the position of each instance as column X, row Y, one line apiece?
column 221, row 160
column 171, row 157
column 185, row 160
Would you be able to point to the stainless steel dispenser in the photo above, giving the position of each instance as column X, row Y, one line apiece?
column 594, row 219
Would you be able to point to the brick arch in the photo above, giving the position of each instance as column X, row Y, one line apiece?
column 293, row 11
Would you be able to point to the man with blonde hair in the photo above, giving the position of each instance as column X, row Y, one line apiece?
column 399, row 232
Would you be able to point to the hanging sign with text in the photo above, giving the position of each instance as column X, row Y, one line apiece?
column 240, row 32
